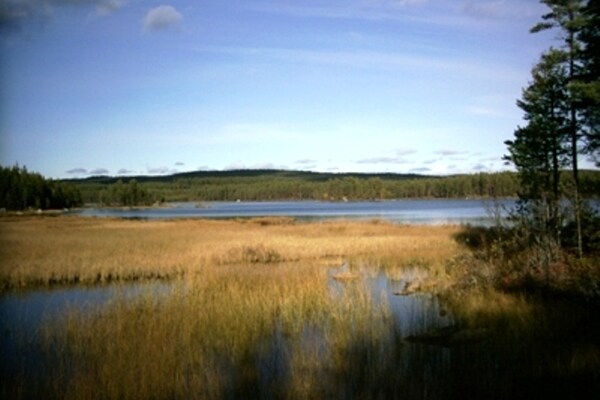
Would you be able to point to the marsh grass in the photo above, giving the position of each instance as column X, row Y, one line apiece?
column 280, row 309
column 61, row 251
column 226, row 332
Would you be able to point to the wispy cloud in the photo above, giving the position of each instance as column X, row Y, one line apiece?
column 305, row 161
column 420, row 170
column 500, row 9
column 15, row 14
column 161, row 170
column 161, row 18
column 99, row 171
column 263, row 165
column 382, row 160
column 448, row 152
column 455, row 14
column 107, row 7
column 77, row 171
column 125, row 171
column 405, row 152
column 350, row 9
column 480, row 167
column 483, row 9
column 374, row 60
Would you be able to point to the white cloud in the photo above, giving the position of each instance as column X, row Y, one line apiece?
column 161, row 18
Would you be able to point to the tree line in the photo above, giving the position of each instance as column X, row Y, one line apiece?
column 274, row 185
column 289, row 185
column 22, row 190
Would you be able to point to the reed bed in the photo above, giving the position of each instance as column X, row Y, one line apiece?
column 50, row 251
column 270, row 331
column 274, row 308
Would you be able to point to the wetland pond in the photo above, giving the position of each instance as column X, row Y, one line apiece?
column 411, row 346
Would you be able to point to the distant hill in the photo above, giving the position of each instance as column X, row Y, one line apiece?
column 249, row 173
column 266, row 184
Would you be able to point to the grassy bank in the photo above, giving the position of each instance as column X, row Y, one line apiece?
column 50, row 251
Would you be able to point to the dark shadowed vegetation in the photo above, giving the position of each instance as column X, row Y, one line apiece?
column 22, row 190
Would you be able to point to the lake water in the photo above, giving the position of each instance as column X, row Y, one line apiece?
column 23, row 315
column 401, row 211
column 497, row 367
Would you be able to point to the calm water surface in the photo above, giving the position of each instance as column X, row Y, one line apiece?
column 23, row 314
column 495, row 368
column 402, row 211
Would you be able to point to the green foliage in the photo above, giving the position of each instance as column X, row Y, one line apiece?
column 561, row 109
column 21, row 190
column 540, row 149
column 290, row 185
column 127, row 195
column 589, row 85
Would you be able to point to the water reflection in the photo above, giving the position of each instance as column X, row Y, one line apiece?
column 479, row 212
column 385, row 365
column 24, row 314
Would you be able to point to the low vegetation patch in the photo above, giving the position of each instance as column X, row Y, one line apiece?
column 37, row 251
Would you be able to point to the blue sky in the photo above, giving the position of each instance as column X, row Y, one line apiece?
column 124, row 87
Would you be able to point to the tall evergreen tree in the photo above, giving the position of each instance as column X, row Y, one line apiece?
column 590, row 82
column 569, row 17
column 538, row 150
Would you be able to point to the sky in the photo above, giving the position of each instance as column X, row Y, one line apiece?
column 130, row 87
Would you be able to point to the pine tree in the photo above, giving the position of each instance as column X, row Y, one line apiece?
column 538, row 150
column 569, row 17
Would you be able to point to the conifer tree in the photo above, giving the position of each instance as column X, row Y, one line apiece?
column 569, row 17
column 538, row 150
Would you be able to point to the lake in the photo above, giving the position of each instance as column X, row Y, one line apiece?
column 479, row 212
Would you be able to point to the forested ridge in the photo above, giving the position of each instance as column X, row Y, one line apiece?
column 262, row 185
column 21, row 189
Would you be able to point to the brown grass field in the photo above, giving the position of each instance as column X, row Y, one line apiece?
column 242, row 292
column 250, row 311
column 40, row 251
